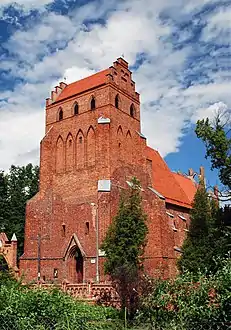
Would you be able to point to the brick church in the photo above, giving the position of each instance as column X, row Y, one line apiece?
column 92, row 148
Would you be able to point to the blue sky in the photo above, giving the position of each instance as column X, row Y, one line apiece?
column 179, row 52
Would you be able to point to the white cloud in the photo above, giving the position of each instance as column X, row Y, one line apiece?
column 218, row 28
column 210, row 112
column 130, row 28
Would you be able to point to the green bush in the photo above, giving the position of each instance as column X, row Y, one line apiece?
column 185, row 304
column 22, row 308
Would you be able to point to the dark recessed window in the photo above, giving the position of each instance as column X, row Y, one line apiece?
column 117, row 101
column 76, row 109
column 80, row 140
column 60, row 114
column 132, row 110
column 63, row 230
column 87, row 228
column 92, row 103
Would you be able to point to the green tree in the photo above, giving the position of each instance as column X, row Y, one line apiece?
column 196, row 247
column 124, row 245
column 216, row 137
column 16, row 188
column 3, row 199
column 208, row 240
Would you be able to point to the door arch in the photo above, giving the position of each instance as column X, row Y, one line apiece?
column 75, row 265
column 74, row 259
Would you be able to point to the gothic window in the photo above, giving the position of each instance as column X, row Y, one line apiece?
column 59, row 155
column 132, row 110
column 92, row 103
column 129, row 147
column 117, row 101
column 76, row 109
column 91, row 147
column 69, row 153
column 60, row 114
column 80, row 152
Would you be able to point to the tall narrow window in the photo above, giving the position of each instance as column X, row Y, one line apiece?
column 93, row 103
column 55, row 273
column 76, row 109
column 63, row 230
column 117, row 101
column 87, row 228
column 60, row 114
column 132, row 110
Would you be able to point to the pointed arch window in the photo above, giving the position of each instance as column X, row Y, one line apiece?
column 132, row 110
column 60, row 114
column 117, row 101
column 92, row 103
column 76, row 109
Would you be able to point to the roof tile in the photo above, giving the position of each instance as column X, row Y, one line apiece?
column 83, row 85
column 179, row 192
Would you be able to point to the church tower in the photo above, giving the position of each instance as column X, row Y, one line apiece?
column 91, row 148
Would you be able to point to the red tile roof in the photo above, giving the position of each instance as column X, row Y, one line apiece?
column 187, row 185
column 83, row 85
column 178, row 191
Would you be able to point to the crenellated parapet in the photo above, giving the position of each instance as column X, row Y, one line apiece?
column 55, row 93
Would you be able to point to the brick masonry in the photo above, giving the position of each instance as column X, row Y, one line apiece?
column 77, row 151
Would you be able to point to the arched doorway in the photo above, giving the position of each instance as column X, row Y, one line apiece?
column 74, row 257
column 75, row 265
column 3, row 264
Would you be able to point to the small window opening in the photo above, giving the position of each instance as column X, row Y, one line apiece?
column 119, row 144
column 87, row 228
column 174, row 225
column 132, row 110
column 76, row 109
column 80, row 140
column 44, row 278
column 60, row 114
column 55, row 274
column 117, row 101
column 70, row 143
column 64, row 230
column 92, row 103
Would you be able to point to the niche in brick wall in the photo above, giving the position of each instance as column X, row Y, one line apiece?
column 80, row 154
column 120, row 142
column 91, row 146
column 69, row 153
column 128, row 144
column 59, row 155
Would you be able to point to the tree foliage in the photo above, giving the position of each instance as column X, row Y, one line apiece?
column 16, row 187
column 185, row 304
column 216, row 137
column 208, row 240
column 124, row 245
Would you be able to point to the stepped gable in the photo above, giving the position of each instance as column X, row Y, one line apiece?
column 83, row 85
column 175, row 191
